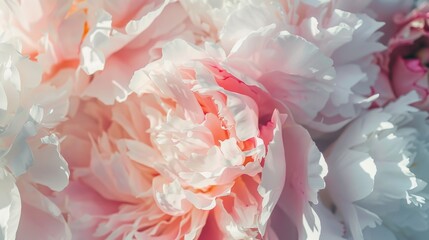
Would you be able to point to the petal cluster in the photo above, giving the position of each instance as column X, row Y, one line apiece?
column 202, row 119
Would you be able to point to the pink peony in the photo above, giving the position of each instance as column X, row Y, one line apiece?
column 195, row 153
column 405, row 63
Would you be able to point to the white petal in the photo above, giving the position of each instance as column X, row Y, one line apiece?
column 3, row 99
column 170, row 197
column 20, row 156
column 331, row 227
column 352, row 178
column 49, row 167
column 317, row 171
column 245, row 114
column 10, row 206
column 273, row 173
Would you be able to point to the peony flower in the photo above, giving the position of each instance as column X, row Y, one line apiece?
column 124, row 36
column 301, row 51
column 404, row 63
column 377, row 174
column 29, row 153
column 193, row 153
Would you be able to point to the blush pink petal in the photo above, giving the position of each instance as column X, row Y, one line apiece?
column 88, row 209
column 47, row 159
column 274, row 172
column 305, row 170
column 384, row 88
column 113, row 55
column 284, row 68
column 409, row 75
column 38, row 212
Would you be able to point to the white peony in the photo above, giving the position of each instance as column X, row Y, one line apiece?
column 29, row 153
column 377, row 173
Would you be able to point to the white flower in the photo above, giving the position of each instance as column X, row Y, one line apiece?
column 29, row 154
column 377, row 172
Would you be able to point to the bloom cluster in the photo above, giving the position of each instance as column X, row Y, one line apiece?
column 202, row 119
